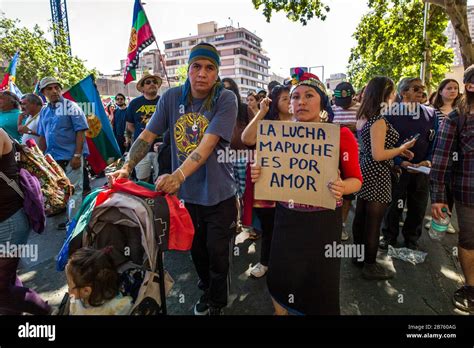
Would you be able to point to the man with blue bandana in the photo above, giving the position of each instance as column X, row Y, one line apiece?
column 200, row 117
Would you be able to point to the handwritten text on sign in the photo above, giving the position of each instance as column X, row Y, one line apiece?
column 298, row 161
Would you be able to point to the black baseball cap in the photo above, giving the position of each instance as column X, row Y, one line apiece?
column 343, row 94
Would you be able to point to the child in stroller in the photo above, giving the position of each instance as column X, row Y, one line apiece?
column 93, row 284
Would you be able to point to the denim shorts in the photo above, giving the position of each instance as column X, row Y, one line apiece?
column 15, row 229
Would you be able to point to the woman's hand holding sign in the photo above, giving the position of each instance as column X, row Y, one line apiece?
column 337, row 187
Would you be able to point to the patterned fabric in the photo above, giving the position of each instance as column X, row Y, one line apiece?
column 453, row 141
column 239, row 175
column 302, row 78
column 377, row 185
column 55, row 185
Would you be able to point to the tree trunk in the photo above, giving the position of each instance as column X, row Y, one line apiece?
column 457, row 13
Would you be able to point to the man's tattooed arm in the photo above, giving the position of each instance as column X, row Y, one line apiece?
column 137, row 152
column 196, row 157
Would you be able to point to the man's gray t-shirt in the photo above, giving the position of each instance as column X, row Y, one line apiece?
column 213, row 182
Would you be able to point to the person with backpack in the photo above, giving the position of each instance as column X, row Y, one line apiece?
column 454, row 158
column 411, row 120
column 14, row 231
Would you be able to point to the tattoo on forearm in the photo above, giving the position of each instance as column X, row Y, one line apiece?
column 196, row 157
column 138, row 151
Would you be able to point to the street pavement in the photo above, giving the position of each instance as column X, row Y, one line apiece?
column 422, row 289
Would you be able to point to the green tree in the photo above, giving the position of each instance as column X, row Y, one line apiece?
column 38, row 56
column 296, row 10
column 390, row 42
column 182, row 73
column 304, row 10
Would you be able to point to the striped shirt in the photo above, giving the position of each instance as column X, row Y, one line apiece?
column 461, row 165
column 345, row 116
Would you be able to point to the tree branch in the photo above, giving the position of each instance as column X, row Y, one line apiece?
column 439, row 3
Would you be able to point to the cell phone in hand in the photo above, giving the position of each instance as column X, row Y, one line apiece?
column 416, row 136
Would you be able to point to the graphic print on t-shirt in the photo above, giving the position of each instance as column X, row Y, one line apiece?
column 146, row 112
column 189, row 130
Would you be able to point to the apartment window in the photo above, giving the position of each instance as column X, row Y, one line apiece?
column 225, row 62
column 227, row 72
column 219, row 38
column 227, row 52
column 168, row 45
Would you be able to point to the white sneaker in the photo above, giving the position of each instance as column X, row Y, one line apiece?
column 258, row 270
column 428, row 225
column 451, row 229
column 344, row 234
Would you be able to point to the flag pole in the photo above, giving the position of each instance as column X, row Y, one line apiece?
column 158, row 47
column 163, row 65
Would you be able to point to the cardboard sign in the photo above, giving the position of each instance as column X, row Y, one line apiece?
column 298, row 160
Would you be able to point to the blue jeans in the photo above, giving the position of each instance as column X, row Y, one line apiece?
column 14, row 298
column 15, row 229
column 76, row 176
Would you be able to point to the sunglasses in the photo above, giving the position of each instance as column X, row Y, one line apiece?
column 417, row 88
column 149, row 82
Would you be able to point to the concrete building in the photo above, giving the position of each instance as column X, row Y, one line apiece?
column 149, row 61
column 334, row 80
column 242, row 56
column 457, row 70
column 113, row 84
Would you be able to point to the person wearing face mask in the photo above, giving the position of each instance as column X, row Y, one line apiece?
column 300, row 279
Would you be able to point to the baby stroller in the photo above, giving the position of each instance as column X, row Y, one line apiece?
column 140, row 224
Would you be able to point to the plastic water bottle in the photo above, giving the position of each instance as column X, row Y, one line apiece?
column 438, row 228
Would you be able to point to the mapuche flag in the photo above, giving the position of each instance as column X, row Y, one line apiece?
column 140, row 38
column 103, row 147
column 10, row 73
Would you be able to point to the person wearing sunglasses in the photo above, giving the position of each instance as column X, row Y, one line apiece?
column 411, row 119
column 139, row 113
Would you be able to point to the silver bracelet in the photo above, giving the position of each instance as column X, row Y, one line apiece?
column 184, row 177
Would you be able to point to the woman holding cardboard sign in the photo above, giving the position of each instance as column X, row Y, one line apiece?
column 301, row 279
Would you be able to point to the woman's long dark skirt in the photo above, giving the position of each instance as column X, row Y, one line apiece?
column 300, row 277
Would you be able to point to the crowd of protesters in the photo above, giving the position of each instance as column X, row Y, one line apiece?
column 387, row 132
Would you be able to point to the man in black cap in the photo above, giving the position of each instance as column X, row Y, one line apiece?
column 345, row 114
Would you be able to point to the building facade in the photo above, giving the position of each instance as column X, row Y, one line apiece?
column 457, row 70
column 242, row 56
column 334, row 80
